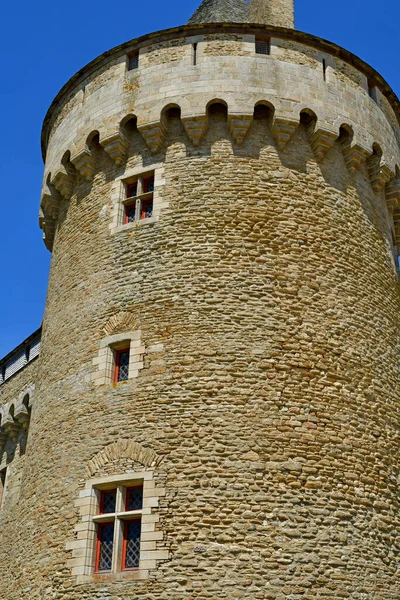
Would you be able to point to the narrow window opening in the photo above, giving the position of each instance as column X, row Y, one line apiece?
column 3, row 476
column 324, row 68
column 121, row 372
column 133, row 61
column 194, row 53
column 263, row 46
column 372, row 91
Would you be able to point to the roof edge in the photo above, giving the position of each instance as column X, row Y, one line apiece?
column 15, row 350
column 202, row 28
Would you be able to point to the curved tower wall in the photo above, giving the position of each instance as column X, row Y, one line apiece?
column 261, row 301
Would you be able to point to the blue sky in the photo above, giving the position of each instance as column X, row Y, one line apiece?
column 44, row 43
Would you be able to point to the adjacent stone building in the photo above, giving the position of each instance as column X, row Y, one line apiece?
column 214, row 411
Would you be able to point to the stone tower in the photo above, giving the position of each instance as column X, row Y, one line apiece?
column 214, row 411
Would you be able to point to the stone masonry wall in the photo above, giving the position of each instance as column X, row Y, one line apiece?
column 267, row 299
column 272, row 12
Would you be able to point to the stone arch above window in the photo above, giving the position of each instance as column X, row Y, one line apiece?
column 123, row 448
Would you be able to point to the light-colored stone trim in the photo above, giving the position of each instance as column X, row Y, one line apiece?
column 82, row 561
column 118, row 198
column 105, row 360
column 123, row 449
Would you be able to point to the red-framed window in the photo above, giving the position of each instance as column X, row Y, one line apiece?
column 148, row 185
column 121, row 371
column 108, row 500
column 142, row 190
column 131, row 544
column 104, row 546
column 134, row 498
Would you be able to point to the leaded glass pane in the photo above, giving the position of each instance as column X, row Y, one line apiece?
column 262, row 47
column 134, row 499
column 123, row 366
column 132, row 541
column 147, row 209
column 108, row 501
column 106, row 536
column 149, row 185
column 130, row 213
column 132, row 189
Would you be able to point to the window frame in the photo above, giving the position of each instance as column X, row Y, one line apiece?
column 117, row 366
column 261, row 41
column 132, row 58
column 119, row 519
column 143, row 197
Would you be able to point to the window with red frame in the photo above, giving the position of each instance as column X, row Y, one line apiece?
column 141, row 191
column 105, row 532
column 121, row 371
column 124, row 508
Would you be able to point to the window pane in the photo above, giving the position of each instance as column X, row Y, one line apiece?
column 262, row 47
column 148, row 185
column 132, row 189
column 131, row 545
column 147, row 209
column 123, row 365
column 130, row 213
column 133, row 62
column 107, row 503
column 134, row 498
column 105, row 547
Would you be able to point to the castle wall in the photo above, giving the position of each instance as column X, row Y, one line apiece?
column 267, row 303
column 261, row 301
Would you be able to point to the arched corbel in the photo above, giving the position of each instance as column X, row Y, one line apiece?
column 322, row 137
column 84, row 161
column 64, row 179
column 378, row 170
column 153, row 134
column 239, row 125
column 116, row 145
column 354, row 154
column 195, row 127
column 10, row 425
column 282, row 129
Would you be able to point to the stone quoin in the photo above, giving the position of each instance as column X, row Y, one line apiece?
column 210, row 409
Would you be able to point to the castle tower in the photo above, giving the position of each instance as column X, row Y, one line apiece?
column 214, row 411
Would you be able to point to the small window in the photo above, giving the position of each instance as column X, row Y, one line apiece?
column 133, row 61
column 3, row 476
column 118, row 537
column 121, row 372
column 139, row 202
column 262, row 46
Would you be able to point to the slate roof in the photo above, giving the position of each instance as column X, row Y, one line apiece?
column 221, row 11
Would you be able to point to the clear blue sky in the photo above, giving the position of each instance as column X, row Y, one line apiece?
column 44, row 43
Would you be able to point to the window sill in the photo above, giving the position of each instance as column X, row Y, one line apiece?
column 135, row 224
column 120, row 576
